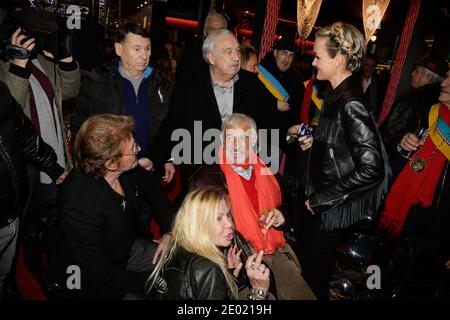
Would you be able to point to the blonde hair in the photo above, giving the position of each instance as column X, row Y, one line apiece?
column 194, row 231
column 99, row 139
column 345, row 39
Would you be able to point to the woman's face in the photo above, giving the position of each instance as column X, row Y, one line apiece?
column 129, row 159
column 224, row 227
column 325, row 65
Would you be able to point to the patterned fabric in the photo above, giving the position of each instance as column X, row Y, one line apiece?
column 270, row 27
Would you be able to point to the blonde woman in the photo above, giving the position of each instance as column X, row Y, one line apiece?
column 346, row 168
column 195, row 266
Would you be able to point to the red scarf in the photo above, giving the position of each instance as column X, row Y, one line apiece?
column 244, row 215
column 411, row 188
column 306, row 103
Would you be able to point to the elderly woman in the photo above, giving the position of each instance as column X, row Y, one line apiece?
column 346, row 169
column 97, row 212
column 195, row 267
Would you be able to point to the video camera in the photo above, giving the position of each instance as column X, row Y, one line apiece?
column 35, row 23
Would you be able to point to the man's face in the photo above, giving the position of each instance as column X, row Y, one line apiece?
column 134, row 52
column 419, row 78
column 214, row 24
column 238, row 143
column 368, row 67
column 252, row 64
column 444, row 96
column 283, row 59
column 226, row 57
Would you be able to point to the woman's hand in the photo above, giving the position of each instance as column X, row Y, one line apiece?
column 305, row 142
column 62, row 177
column 308, row 206
column 163, row 245
column 146, row 163
column 274, row 218
column 258, row 274
column 169, row 168
column 234, row 260
column 292, row 131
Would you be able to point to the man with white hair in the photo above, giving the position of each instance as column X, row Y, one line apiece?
column 410, row 111
column 210, row 96
column 419, row 191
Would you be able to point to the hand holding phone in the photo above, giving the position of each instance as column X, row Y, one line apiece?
column 303, row 130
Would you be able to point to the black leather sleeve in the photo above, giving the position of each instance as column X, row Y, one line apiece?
column 34, row 149
column 210, row 283
column 364, row 147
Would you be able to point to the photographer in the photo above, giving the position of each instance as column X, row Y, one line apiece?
column 40, row 78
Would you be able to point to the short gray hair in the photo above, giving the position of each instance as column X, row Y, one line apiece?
column 237, row 120
column 208, row 45
column 435, row 78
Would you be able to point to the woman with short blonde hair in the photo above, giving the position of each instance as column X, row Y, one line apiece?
column 347, row 165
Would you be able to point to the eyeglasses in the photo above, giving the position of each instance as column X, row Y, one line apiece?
column 136, row 149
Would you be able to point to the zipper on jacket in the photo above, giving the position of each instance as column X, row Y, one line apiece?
column 341, row 200
column 307, row 171
column 335, row 163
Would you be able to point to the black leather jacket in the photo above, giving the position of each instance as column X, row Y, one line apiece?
column 102, row 92
column 188, row 276
column 19, row 144
column 347, row 162
column 409, row 113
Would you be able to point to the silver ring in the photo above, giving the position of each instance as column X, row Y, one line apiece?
column 260, row 269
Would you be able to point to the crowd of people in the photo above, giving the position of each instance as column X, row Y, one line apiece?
column 250, row 174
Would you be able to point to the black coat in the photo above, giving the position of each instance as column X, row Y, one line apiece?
column 292, row 82
column 96, row 234
column 102, row 92
column 19, row 144
column 195, row 101
column 408, row 114
column 346, row 163
column 189, row 276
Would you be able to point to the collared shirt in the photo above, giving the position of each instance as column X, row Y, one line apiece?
column 224, row 97
column 244, row 173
